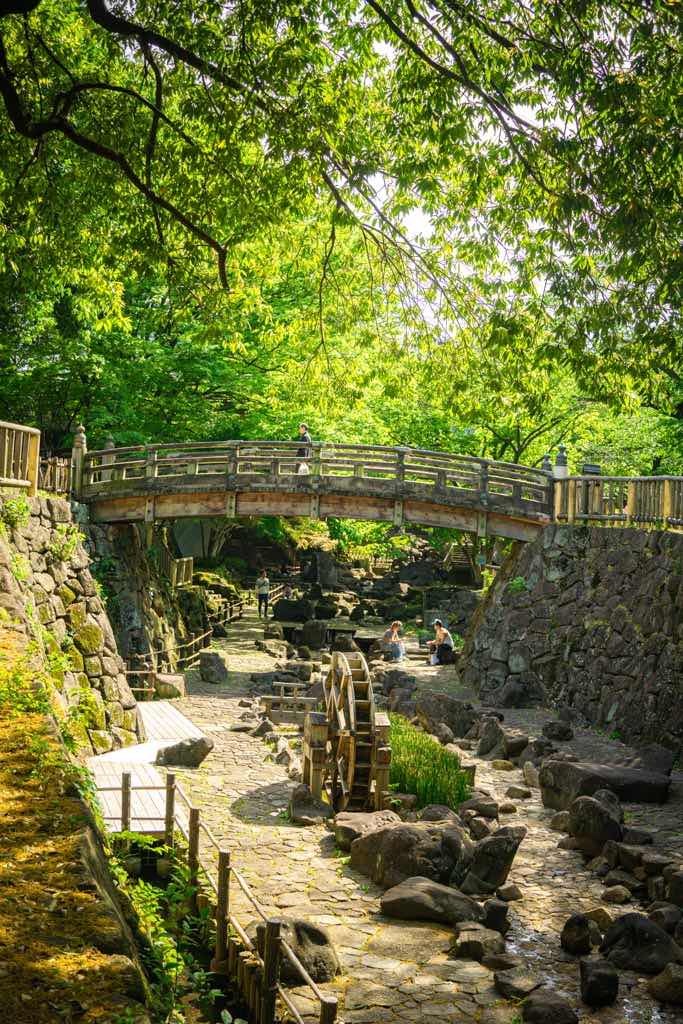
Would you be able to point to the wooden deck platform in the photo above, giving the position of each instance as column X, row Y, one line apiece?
column 164, row 724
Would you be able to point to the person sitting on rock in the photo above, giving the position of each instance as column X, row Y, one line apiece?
column 392, row 643
column 441, row 647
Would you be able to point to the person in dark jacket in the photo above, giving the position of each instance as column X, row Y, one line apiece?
column 304, row 451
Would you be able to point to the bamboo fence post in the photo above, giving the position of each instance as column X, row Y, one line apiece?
column 169, row 820
column 271, row 970
column 667, row 501
column 33, row 456
column 218, row 963
column 125, row 801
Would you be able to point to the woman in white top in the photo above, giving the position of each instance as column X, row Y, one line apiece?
column 443, row 641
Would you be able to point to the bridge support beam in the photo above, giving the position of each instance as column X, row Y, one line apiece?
column 230, row 505
column 315, row 506
column 398, row 513
column 482, row 524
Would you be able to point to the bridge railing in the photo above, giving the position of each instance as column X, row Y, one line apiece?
column 108, row 470
column 620, row 500
column 19, row 457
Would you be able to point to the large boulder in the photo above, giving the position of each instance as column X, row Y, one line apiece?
column 169, row 686
column 492, row 741
column 667, row 987
column 545, row 1007
column 431, row 708
column 313, row 947
column 599, row 982
column 289, row 610
column 439, row 851
column 313, row 633
column 633, row 942
column 536, row 751
column 351, row 825
column 563, row 781
column 474, row 942
column 188, row 753
column 575, row 937
column 593, row 823
column 492, row 860
column 388, row 677
column 422, row 899
column 213, row 666
column 305, row 809
column 344, row 643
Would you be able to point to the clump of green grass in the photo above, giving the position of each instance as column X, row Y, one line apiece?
column 421, row 766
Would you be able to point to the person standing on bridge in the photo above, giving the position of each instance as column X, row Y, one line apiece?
column 262, row 593
column 304, row 452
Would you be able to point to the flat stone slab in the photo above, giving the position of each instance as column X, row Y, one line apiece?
column 562, row 781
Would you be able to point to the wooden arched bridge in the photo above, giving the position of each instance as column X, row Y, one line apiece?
column 255, row 478
column 396, row 485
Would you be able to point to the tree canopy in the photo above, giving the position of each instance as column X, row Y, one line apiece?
column 453, row 224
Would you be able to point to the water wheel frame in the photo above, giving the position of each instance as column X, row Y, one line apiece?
column 347, row 778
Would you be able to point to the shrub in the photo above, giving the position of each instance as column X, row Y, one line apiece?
column 66, row 540
column 15, row 512
column 517, row 585
column 19, row 567
column 420, row 765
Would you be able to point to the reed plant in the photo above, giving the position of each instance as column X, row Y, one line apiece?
column 420, row 765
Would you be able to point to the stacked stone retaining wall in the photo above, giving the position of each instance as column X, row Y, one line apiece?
column 48, row 592
column 591, row 618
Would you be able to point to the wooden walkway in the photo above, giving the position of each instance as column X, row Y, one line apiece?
column 164, row 724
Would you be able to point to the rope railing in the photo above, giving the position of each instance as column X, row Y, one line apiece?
column 254, row 968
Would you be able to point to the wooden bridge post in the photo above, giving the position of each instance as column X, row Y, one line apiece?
column 108, row 460
column 328, row 1010
column 78, row 453
column 316, row 460
column 271, row 970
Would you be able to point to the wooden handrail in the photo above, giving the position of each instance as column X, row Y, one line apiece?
column 643, row 501
column 19, row 457
column 261, row 993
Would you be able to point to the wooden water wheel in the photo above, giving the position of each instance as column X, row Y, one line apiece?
column 346, row 747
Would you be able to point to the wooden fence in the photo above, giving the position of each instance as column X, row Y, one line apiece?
column 19, row 458
column 254, row 967
column 190, row 648
column 642, row 501
column 55, row 475
column 178, row 571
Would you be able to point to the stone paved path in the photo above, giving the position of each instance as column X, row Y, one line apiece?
column 394, row 971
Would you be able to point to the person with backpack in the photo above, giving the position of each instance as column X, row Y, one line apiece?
column 262, row 593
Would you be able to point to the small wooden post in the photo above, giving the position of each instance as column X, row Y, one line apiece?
column 125, row 801
column 328, row 1010
column 218, row 963
column 78, row 453
column 631, row 500
column 108, row 460
column 169, row 820
column 484, row 482
column 33, row 468
column 401, row 464
column 571, row 500
column 557, row 491
column 316, row 460
column 193, row 846
column 271, row 969
column 151, row 467
column 667, row 501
